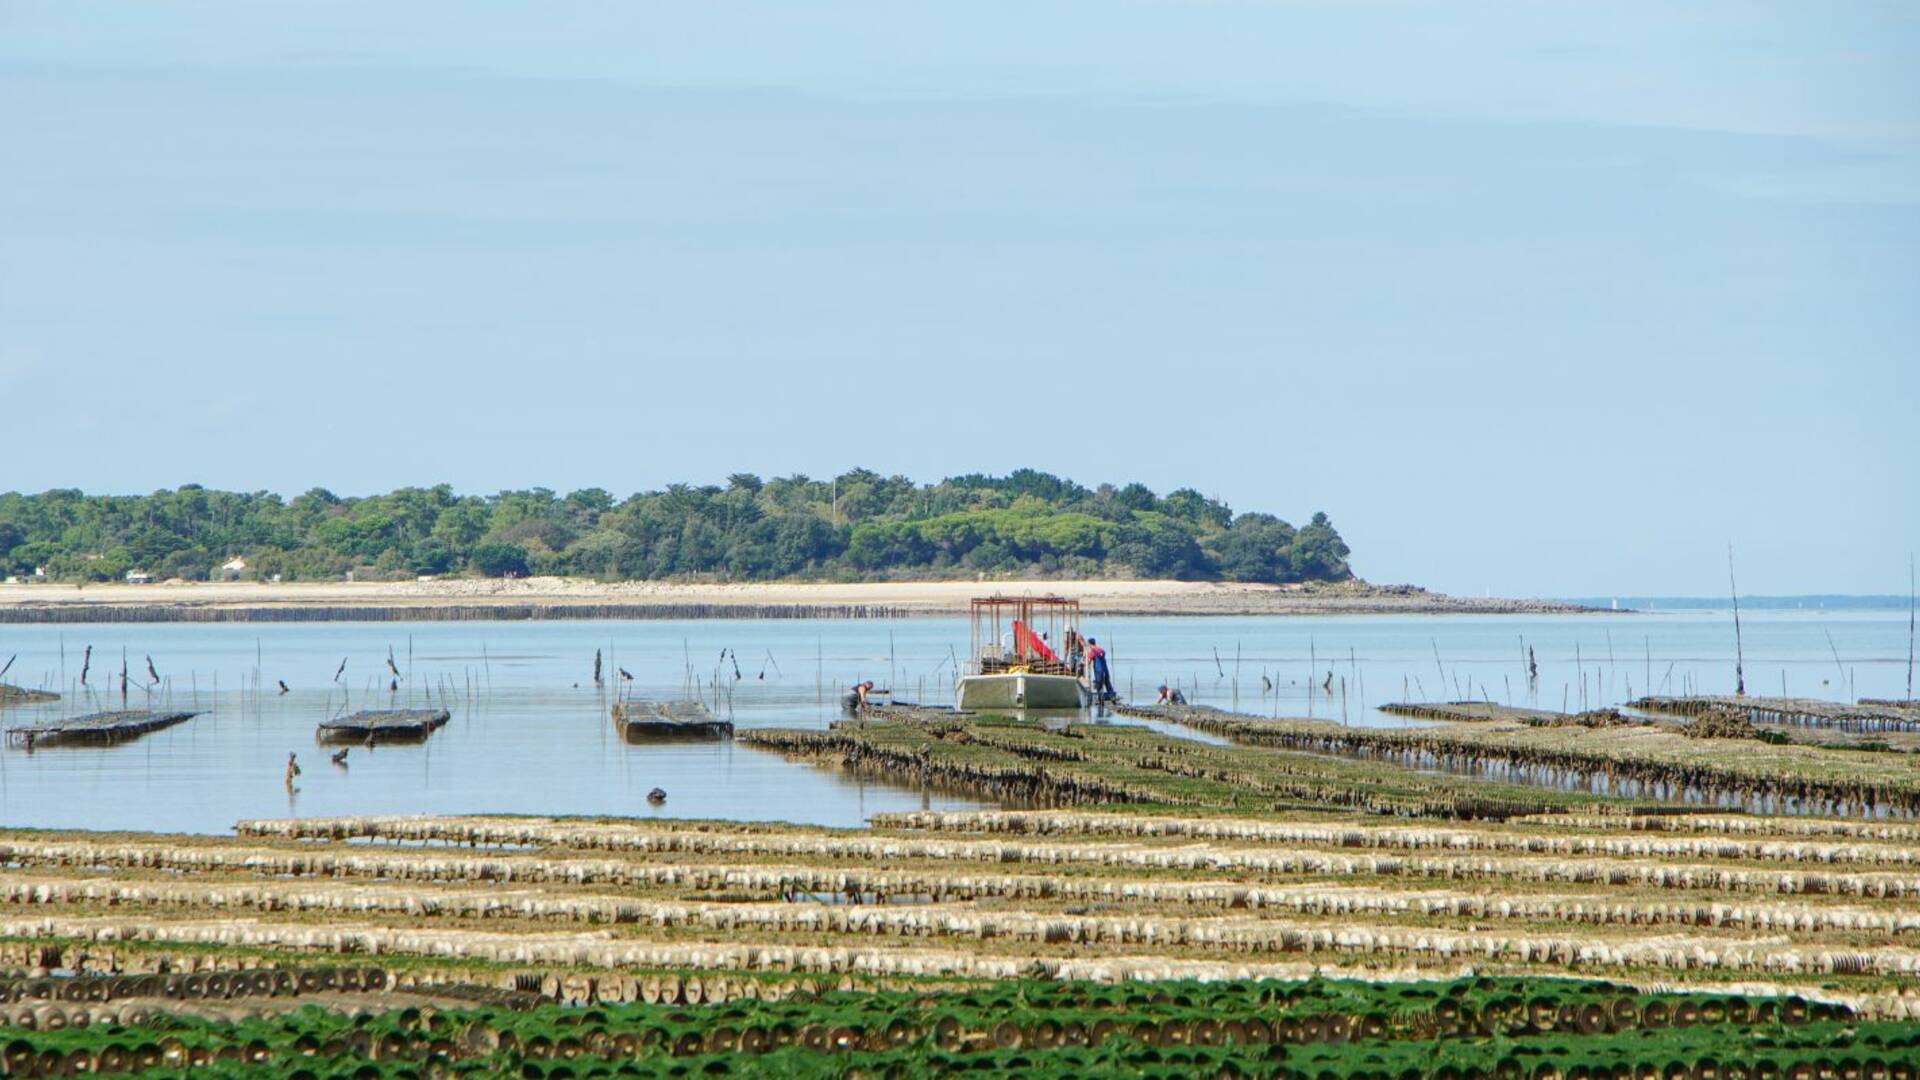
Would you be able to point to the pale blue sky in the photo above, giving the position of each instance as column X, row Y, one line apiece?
column 1536, row 298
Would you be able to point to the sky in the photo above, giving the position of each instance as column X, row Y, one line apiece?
column 1531, row 299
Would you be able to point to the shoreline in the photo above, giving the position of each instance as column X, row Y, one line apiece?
column 565, row 598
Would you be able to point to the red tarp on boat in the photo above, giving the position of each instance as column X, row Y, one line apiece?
column 1028, row 643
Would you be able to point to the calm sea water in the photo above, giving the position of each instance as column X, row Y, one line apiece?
column 530, row 732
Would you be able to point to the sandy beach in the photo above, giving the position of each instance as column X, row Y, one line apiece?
column 578, row 598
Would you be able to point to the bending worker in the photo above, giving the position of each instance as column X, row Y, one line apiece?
column 855, row 698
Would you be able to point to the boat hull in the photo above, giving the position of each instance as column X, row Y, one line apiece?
column 1019, row 690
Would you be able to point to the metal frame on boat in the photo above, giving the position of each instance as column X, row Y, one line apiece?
column 1027, row 653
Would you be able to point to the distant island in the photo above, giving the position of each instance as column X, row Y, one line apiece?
column 859, row 526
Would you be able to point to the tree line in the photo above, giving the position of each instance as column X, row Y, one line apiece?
column 859, row 525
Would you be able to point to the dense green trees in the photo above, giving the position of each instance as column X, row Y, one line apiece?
column 857, row 525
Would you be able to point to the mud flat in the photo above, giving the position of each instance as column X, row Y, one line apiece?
column 1604, row 753
column 11, row 695
column 1467, row 712
column 563, row 598
column 1867, row 717
column 1019, row 762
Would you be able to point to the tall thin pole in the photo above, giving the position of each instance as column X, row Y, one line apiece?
column 1609, row 690
column 1236, row 677
column 1910, row 606
column 1313, row 672
column 1579, row 672
column 1353, row 668
column 1739, row 658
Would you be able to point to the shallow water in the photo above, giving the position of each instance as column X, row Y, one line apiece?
column 530, row 732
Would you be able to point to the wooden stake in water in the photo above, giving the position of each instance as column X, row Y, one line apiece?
column 1353, row 670
column 1739, row 653
column 1236, row 677
column 1910, row 610
column 1581, row 674
column 1313, row 672
column 1837, row 666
